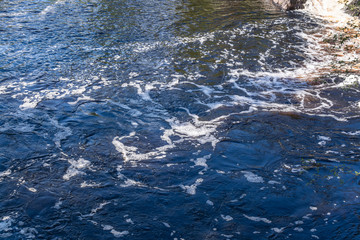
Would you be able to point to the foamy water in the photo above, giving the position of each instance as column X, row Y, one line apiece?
column 338, row 38
column 180, row 121
column 329, row 10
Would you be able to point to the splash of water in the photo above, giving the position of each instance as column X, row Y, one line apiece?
column 330, row 10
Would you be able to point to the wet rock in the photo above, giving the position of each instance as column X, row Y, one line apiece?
column 289, row 4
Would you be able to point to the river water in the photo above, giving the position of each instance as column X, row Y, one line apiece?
column 163, row 119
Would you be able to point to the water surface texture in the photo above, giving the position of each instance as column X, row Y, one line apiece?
column 166, row 119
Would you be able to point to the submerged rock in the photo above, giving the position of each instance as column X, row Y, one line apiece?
column 289, row 4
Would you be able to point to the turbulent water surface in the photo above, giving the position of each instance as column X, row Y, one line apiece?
column 164, row 119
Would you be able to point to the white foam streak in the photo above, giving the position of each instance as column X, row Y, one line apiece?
column 51, row 8
column 82, row 98
column 257, row 219
column 202, row 161
column 130, row 153
column 95, row 210
column 199, row 131
column 356, row 133
column 32, row 99
column 62, row 134
column 75, row 167
column 278, row 230
column 195, row 130
column 191, row 189
column 251, row 177
column 227, row 217
column 5, row 173
column 116, row 234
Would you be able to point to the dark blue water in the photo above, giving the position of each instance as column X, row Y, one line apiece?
column 167, row 119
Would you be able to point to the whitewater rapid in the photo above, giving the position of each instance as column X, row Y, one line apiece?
column 126, row 119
